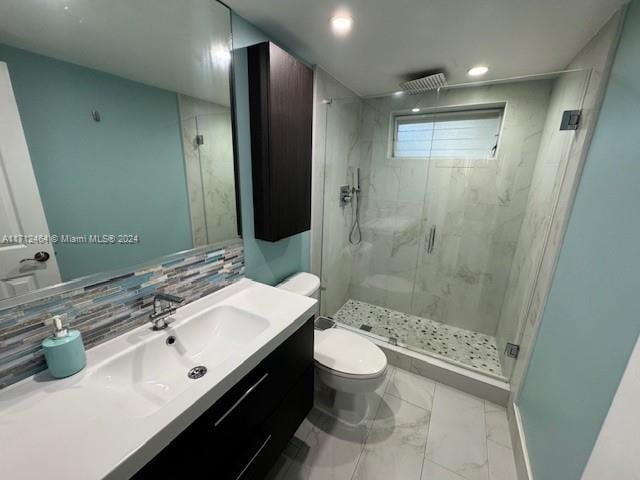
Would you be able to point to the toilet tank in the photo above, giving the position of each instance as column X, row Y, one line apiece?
column 302, row 283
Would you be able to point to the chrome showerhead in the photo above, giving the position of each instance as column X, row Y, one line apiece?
column 423, row 84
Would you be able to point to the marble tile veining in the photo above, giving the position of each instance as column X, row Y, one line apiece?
column 418, row 430
column 497, row 425
column 457, row 436
column 501, row 463
column 470, row 348
column 396, row 441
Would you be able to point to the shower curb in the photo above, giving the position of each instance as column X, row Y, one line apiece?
column 483, row 386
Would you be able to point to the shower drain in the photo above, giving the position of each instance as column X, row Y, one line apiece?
column 197, row 372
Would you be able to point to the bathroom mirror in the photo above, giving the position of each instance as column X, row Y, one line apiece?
column 116, row 136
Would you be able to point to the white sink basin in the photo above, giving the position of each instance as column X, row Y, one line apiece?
column 145, row 377
column 134, row 396
column 224, row 325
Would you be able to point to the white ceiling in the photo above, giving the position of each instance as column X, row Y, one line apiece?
column 392, row 39
column 179, row 45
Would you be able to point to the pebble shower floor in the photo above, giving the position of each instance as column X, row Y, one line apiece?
column 464, row 346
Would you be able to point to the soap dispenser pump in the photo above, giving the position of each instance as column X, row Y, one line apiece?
column 64, row 351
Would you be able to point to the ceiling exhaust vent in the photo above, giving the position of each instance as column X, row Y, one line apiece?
column 423, row 84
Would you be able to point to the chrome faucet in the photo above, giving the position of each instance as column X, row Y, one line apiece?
column 164, row 305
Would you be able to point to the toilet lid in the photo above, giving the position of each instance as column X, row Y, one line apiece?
column 348, row 353
column 301, row 283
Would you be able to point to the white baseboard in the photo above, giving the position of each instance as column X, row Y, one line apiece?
column 519, row 442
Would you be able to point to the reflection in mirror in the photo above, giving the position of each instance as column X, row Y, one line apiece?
column 208, row 152
column 116, row 141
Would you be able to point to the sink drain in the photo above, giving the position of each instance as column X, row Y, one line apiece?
column 197, row 372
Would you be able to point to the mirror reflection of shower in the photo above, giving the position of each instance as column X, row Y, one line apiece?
column 355, row 234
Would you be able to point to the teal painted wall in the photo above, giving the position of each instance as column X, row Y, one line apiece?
column 591, row 320
column 122, row 175
column 265, row 262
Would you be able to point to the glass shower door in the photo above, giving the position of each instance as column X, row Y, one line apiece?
column 216, row 170
column 453, row 285
column 207, row 144
column 486, row 217
column 390, row 215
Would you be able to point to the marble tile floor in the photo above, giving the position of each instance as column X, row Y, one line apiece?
column 417, row 429
column 469, row 348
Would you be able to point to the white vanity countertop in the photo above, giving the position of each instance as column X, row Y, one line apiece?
column 69, row 429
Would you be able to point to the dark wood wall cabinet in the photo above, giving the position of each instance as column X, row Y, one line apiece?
column 281, row 107
column 242, row 435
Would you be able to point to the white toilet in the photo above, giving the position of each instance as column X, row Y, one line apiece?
column 347, row 363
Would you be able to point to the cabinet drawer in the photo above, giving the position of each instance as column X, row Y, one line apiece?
column 265, row 447
column 249, row 403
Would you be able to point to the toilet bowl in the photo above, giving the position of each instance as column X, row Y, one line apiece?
column 348, row 364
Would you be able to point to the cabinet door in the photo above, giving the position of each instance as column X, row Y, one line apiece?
column 281, row 102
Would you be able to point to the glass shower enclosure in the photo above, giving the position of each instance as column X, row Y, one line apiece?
column 207, row 145
column 436, row 208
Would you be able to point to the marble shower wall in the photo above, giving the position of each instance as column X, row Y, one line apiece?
column 556, row 179
column 210, row 170
column 340, row 153
column 392, row 206
column 478, row 207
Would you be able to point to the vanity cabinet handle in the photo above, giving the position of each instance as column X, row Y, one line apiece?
column 255, row 455
column 239, row 401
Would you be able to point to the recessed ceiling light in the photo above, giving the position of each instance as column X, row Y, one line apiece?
column 398, row 93
column 414, row 110
column 341, row 24
column 478, row 71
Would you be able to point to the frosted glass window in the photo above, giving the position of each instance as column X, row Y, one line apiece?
column 459, row 134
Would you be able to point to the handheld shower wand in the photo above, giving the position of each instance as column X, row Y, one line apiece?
column 355, row 234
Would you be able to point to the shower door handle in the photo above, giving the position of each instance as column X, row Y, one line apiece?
column 431, row 239
column 432, row 243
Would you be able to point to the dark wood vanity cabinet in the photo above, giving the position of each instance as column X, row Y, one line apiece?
column 281, row 107
column 244, row 432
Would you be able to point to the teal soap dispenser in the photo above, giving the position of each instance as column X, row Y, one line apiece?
column 64, row 351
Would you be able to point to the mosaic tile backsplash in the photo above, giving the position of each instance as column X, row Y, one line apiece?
column 110, row 308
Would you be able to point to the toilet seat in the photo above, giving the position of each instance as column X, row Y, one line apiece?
column 348, row 355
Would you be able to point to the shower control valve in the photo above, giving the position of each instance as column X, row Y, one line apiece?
column 345, row 195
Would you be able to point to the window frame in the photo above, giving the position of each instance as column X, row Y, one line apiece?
column 396, row 114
